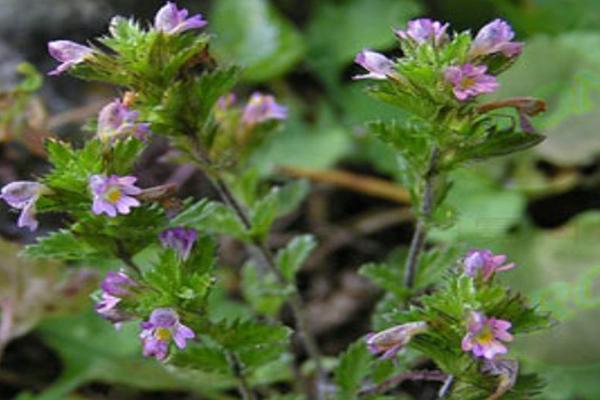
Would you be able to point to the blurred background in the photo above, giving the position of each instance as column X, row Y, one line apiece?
column 540, row 207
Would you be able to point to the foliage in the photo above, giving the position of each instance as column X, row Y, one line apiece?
column 419, row 132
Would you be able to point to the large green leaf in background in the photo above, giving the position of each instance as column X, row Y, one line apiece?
column 551, row 16
column 565, row 71
column 92, row 350
column 485, row 210
column 253, row 34
column 339, row 30
column 316, row 144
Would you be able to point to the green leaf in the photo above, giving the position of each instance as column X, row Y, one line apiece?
column 292, row 257
column 92, row 350
column 290, row 196
column 339, row 30
column 262, row 291
column 253, row 34
column 204, row 358
column 125, row 154
column 485, row 209
column 63, row 245
column 570, row 87
column 256, row 344
column 212, row 217
column 499, row 143
column 354, row 366
column 323, row 143
column 386, row 277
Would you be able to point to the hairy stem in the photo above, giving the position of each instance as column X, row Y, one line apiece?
column 417, row 243
column 238, row 371
column 445, row 389
column 295, row 300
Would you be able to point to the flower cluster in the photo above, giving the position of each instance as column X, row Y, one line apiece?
column 466, row 80
column 169, row 20
column 485, row 335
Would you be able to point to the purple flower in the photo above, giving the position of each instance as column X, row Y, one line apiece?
column 113, row 194
column 115, row 286
column 495, row 37
column 484, row 336
column 390, row 341
column 484, row 262
column 158, row 331
column 469, row 80
column 108, row 309
column 116, row 120
column 118, row 284
column 226, row 101
column 423, row 30
column 171, row 20
column 378, row 65
column 68, row 53
column 261, row 108
column 23, row 195
column 180, row 239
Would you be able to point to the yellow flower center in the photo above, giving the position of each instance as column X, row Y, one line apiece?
column 162, row 334
column 486, row 336
column 113, row 195
column 468, row 82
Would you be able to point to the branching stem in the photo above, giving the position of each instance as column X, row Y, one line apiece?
column 295, row 300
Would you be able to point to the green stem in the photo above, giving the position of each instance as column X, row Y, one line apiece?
column 295, row 300
column 420, row 236
column 238, row 371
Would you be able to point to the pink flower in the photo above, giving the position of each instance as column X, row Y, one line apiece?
column 117, row 120
column 469, row 80
column 114, row 194
column 261, row 108
column 485, row 336
column 68, row 53
column 495, row 37
column 424, row 29
column 23, row 195
column 171, row 20
column 390, row 341
column 378, row 65
column 485, row 263
column 162, row 327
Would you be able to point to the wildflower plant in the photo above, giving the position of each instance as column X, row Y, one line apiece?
column 161, row 251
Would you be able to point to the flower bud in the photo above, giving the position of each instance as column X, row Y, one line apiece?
column 390, row 341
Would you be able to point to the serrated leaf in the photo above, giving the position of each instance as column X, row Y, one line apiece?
column 355, row 364
column 263, row 292
column 62, row 245
column 256, row 344
column 291, row 258
column 212, row 217
column 125, row 154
